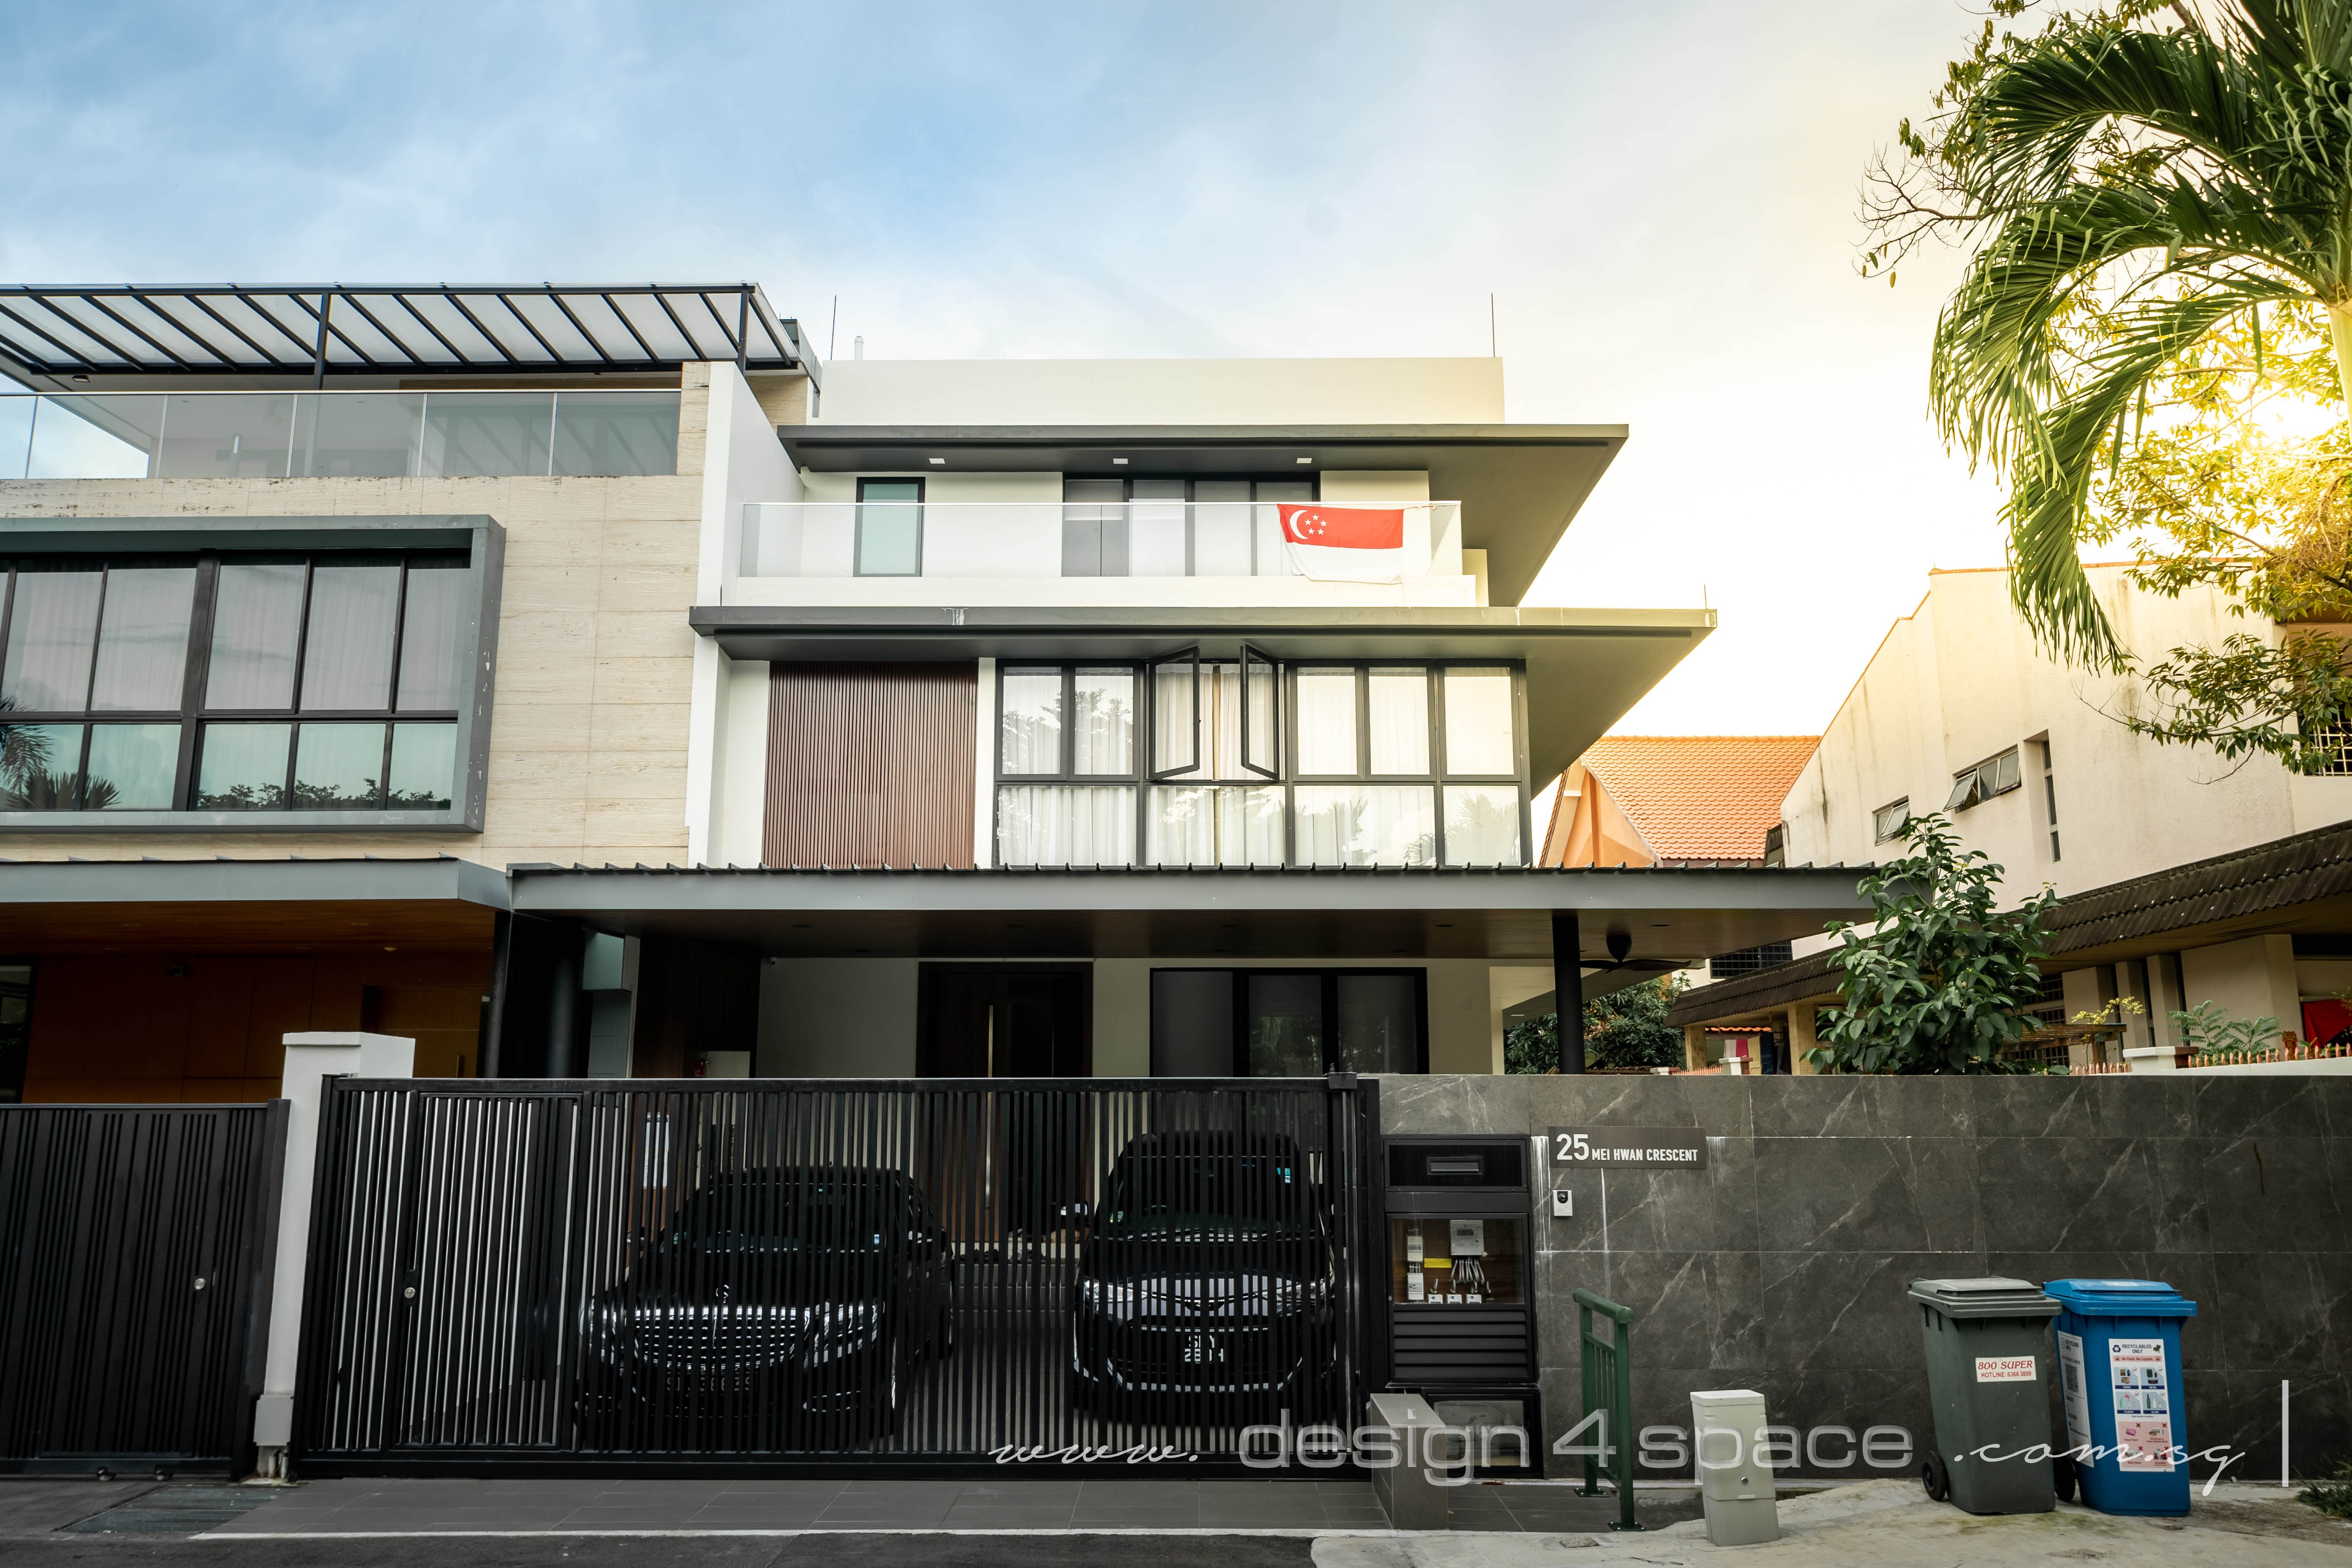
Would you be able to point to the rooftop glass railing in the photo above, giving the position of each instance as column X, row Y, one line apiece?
column 1037, row 539
column 335, row 435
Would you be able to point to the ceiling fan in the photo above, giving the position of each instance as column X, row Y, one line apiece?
column 1621, row 943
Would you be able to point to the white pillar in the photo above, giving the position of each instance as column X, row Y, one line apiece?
column 311, row 1060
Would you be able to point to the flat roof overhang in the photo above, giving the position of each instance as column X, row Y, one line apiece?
column 1585, row 668
column 1519, row 485
column 246, row 906
column 1501, row 914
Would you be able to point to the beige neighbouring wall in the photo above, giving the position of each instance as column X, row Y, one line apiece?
column 590, row 720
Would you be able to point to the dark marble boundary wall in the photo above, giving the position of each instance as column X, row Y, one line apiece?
column 1781, row 1267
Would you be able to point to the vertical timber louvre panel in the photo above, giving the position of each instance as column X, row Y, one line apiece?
column 789, row 1277
column 135, row 1251
column 870, row 765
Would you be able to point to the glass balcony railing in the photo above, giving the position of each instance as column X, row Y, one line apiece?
column 335, row 435
column 1037, row 539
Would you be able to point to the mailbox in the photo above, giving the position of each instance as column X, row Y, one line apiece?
column 1461, row 1298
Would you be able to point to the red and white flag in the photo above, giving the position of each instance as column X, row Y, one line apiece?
column 1346, row 544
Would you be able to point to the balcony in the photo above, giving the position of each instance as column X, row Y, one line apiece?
column 336, row 435
column 832, row 540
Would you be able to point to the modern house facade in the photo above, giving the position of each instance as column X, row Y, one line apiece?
column 589, row 681
column 2186, row 877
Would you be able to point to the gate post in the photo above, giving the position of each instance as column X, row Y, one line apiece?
column 311, row 1060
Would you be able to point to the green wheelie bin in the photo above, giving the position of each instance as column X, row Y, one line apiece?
column 1988, row 1359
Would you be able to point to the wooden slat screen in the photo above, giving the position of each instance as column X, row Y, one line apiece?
column 870, row 765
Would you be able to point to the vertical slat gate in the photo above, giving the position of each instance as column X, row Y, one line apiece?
column 135, row 1248
column 776, row 1275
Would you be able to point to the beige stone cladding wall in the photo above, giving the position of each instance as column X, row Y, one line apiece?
column 588, row 732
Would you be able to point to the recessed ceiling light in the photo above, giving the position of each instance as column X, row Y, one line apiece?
column 939, row 462
column 1118, row 462
column 1305, row 459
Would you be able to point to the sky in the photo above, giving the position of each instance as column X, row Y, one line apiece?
column 1660, row 199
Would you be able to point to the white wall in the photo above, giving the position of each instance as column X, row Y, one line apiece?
column 1960, row 680
column 743, row 462
column 737, row 836
column 1163, row 392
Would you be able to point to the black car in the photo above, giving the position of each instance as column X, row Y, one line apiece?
column 1204, row 1285
column 775, row 1309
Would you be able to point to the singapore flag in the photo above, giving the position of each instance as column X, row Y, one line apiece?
column 1346, row 544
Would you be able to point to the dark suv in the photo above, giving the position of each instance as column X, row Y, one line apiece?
column 776, row 1308
column 1204, row 1285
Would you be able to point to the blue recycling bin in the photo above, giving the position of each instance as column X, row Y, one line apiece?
column 2119, row 1372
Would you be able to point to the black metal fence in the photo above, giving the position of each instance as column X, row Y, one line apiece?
column 135, row 1251
column 779, row 1276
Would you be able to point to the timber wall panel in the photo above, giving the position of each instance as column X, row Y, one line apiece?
column 870, row 765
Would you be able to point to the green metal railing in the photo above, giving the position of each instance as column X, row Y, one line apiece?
column 1608, row 1358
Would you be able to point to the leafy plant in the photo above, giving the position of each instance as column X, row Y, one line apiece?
column 1935, row 985
column 1625, row 1028
column 2333, row 1496
column 2209, row 1031
column 2153, row 198
column 2115, row 1010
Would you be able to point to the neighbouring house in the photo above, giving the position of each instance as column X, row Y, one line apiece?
column 588, row 681
column 2185, row 877
column 1674, row 800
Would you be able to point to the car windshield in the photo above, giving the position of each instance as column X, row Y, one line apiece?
column 793, row 1213
column 1210, row 1193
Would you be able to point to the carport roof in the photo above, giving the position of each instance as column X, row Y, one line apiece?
column 225, row 905
column 1497, row 912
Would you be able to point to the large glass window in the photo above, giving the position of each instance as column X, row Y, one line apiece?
column 1069, row 723
column 1247, row 763
column 889, row 528
column 1146, row 527
column 1287, row 1022
column 232, row 682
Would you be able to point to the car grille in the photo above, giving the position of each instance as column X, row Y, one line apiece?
column 706, row 1339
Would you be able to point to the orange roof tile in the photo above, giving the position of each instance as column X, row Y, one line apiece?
column 1701, row 797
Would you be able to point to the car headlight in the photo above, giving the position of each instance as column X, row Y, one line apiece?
column 840, row 1329
column 1286, row 1297
column 1111, row 1298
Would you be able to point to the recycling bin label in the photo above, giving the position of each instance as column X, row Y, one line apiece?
column 2143, row 1405
column 2076, row 1389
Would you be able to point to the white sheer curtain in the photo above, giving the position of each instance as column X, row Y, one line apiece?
column 1103, row 733
column 1482, row 825
column 1326, row 722
column 1216, row 826
column 1030, row 721
column 1478, row 722
column 1400, row 717
column 1367, row 824
column 1221, row 720
column 1065, row 825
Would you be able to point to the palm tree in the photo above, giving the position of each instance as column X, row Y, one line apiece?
column 2166, row 182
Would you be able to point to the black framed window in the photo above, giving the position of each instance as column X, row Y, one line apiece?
column 889, row 528
column 1153, row 527
column 1069, row 745
column 1246, row 761
column 308, row 682
column 1288, row 1023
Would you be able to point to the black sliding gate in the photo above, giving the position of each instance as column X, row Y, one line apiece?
column 135, row 1251
column 787, row 1276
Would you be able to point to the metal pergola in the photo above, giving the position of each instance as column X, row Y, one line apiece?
column 318, row 330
